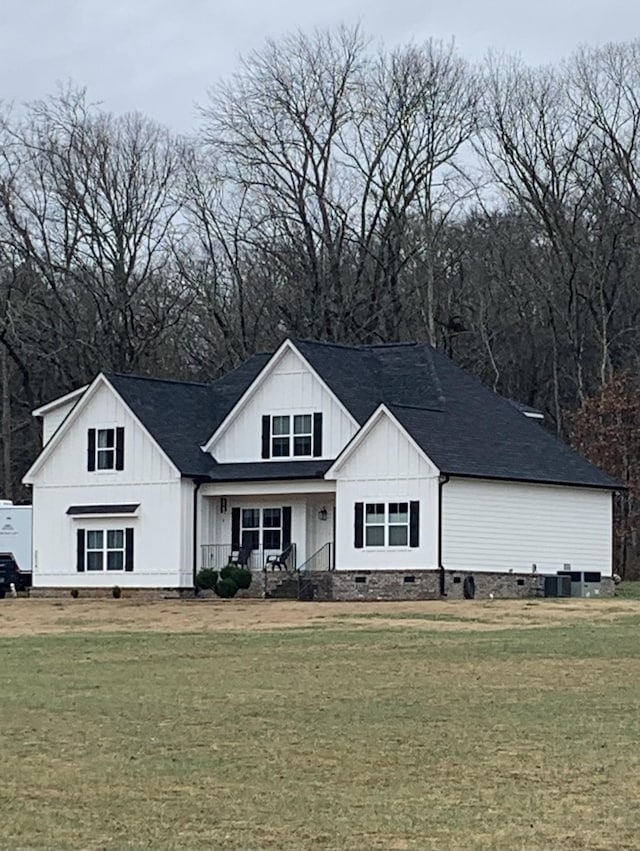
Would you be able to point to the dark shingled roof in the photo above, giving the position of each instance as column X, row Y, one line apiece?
column 181, row 416
column 462, row 425
column 269, row 470
column 459, row 422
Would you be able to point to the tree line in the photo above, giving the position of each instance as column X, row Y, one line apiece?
column 342, row 192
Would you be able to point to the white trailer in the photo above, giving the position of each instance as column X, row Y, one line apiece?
column 15, row 533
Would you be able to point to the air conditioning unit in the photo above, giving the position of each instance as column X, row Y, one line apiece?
column 583, row 583
column 557, row 586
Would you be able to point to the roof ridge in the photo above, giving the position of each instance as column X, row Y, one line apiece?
column 392, row 405
column 155, row 378
column 357, row 346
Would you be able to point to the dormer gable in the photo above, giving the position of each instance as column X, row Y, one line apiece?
column 288, row 413
column 382, row 449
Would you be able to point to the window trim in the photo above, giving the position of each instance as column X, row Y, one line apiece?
column 103, row 450
column 83, row 549
column 105, row 550
column 260, row 528
column 386, row 525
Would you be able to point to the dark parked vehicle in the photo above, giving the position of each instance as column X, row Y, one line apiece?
column 11, row 573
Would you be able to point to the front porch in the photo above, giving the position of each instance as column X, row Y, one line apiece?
column 268, row 526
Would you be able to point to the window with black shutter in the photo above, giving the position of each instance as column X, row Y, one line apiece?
column 292, row 435
column 99, row 550
column 105, row 449
column 386, row 524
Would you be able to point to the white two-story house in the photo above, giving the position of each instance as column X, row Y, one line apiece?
column 373, row 471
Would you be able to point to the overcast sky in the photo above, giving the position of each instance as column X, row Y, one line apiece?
column 161, row 56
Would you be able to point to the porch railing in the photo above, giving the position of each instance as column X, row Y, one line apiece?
column 216, row 556
column 321, row 560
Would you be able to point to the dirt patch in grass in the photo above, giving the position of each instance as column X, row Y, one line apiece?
column 40, row 617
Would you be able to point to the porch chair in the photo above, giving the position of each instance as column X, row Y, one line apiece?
column 241, row 557
column 280, row 560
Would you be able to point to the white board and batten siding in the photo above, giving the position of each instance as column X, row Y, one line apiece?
column 162, row 535
column 289, row 387
column 510, row 526
column 386, row 467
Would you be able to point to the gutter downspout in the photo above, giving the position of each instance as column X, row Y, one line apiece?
column 441, row 483
column 197, row 483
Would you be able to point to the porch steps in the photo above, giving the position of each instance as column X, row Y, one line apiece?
column 282, row 587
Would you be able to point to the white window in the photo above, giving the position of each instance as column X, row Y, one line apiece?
column 105, row 449
column 292, row 435
column 386, row 524
column 261, row 528
column 105, row 549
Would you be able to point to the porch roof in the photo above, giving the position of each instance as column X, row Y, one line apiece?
column 261, row 471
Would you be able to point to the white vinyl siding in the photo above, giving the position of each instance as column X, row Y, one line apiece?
column 511, row 526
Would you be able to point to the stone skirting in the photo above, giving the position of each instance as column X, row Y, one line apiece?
column 353, row 585
column 104, row 593
column 426, row 585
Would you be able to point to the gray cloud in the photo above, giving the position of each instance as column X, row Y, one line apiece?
column 161, row 56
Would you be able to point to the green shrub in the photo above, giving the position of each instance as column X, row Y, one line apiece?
column 242, row 578
column 116, row 592
column 207, row 578
column 240, row 575
column 226, row 587
column 229, row 571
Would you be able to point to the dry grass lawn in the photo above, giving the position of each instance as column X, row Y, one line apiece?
column 281, row 726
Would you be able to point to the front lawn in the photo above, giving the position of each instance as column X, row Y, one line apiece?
column 346, row 733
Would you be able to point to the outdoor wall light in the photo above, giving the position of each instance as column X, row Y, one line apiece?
column 322, row 514
column 223, row 505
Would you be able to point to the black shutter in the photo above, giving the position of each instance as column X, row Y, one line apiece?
column 358, row 526
column 317, row 435
column 266, row 436
column 235, row 528
column 128, row 549
column 119, row 448
column 91, row 449
column 286, row 526
column 80, row 551
column 414, row 524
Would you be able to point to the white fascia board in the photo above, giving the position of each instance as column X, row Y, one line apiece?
column 277, row 356
column 49, row 447
column 61, row 400
column 360, row 436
